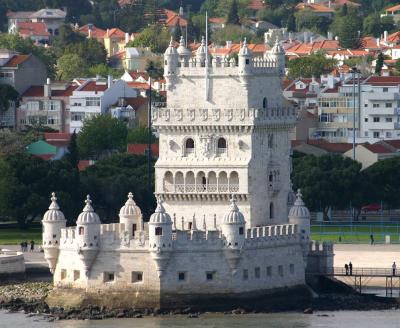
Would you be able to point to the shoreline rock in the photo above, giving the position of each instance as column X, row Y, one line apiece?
column 30, row 299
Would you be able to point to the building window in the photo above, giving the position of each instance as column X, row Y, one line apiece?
column 63, row 274
column 377, row 119
column 291, row 268
column 189, row 146
column 77, row 116
column 137, row 276
column 181, row 276
column 245, row 274
column 210, row 275
column 375, row 105
column 271, row 210
column 109, row 276
column 280, row 270
column 366, row 134
column 385, row 89
column 133, row 229
column 388, row 105
column 77, row 275
column 265, row 103
column 247, row 61
column 241, row 231
column 388, row 134
column 92, row 101
column 376, row 134
column 221, row 146
column 388, row 120
column 269, row 271
column 81, row 231
column 257, row 273
column 366, row 119
column 158, row 231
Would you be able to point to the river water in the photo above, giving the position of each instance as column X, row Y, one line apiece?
column 341, row 319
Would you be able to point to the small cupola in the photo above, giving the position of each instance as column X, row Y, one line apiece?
column 88, row 215
column 130, row 210
column 299, row 209
column 53, row 213
column 234, row 216
column 244, row 50
column 160, row 216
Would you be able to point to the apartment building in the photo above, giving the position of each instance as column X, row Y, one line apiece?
column 46, row 105
column 94, row 97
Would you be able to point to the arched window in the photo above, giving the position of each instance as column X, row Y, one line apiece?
column 265, row 103
column 271, row 210
column 158, row 231
column 241, row 230
column 221, row 145
column 81, row 230
column 189, row 146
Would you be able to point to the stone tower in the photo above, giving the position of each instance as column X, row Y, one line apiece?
column 224, row 131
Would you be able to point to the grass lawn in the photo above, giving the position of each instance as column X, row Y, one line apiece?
column 14, row 236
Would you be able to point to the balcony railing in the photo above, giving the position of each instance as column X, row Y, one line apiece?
column 200, row 188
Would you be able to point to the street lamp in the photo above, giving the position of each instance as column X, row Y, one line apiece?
column 355, row 71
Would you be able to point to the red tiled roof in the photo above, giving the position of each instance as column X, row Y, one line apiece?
column 45, row 157
column 20, row 14
column 140, row 149
column 319, row 8
column 308, row 48
column 32, row 29
column 217, row 20
column 136, row 102
column 16, row 60
column 383, row 80
column 115, row 33
column 394, row 37
column 96, row 32
column 331, row 147
column 83, row 164
column 257, row 5
column 394, row 8
column 135, row 75
column 38, row 91
column 173, row 19
column 93, row 86
column 377, row 148
column 235, row 48
column 393, row 143
column 57, row 139
column 138, row 85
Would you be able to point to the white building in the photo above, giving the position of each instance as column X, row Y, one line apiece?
column 94, row 97
column 224, row 131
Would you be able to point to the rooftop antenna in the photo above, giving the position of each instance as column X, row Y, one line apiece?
column 206, row 64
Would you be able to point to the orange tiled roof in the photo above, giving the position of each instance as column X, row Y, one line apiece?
column 138, row 85
column 96, row 32
column 235, row 47
column 317, row 8
column 394, row 37
column 32, row 29
column 93, row 86
column 38, row 91
column 308, row 48
column 173, row 19
column 139, row 149
column 377, row 148
column 115, row 33
column 257, row 5
column 383, row 80
column 217, row 20
column 394, row 8
column 16, row 60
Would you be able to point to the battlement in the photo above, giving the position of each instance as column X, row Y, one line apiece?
column 227, row 67
column 272, row 231
column 215, row 116
column 315, row 247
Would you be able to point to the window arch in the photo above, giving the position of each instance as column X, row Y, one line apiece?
column 265, row 103
column 189, row 146
column 158, row 231
column 221, row 145
column 271, row 210
column 81, row 230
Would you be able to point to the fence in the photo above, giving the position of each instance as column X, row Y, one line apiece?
column 359, row 232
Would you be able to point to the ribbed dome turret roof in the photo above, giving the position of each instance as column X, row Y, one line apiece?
column 171, row 50
column 234, row 216
column 130, row 209
column 299, row 209
column 88, row 214
column 201, row 51
column 53, row 213
column 244, row 50
column 160, row 215
column 182, row 50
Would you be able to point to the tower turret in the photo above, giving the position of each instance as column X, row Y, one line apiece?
column 160, row 237
column 300, row 215
column 170, row 60
column 233, row 230
column 245, row 62
column 201, row 53
column 183, row 52
column 277, row 54
column 131, row 216
column 53, row 221
column 88, row 235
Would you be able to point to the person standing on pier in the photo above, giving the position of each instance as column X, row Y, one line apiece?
column 346, row 267
column 372, row 239
column 351, row 268
column 394, row 268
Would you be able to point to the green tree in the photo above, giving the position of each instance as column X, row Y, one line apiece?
column 8, row 94
column 70, row 66
column 111, row 179
column 100, row 136
column 12, row 142
column 104, row 70
column 291, row 23
column 348, row 28
column 307, row 20
column 91, row 50
column 66, row 37
column 155, row 69
column 234, row 33
column 233, row 14
column 313, row 65
column 328, row 181
column 26, row 46
column 379, row 63
column 155, row 37
column 140, row 135
column 73, row 151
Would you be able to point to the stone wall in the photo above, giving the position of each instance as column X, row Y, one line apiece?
column 11, row 262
